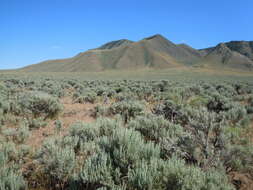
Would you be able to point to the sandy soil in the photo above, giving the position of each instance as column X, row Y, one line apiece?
column 73, row 112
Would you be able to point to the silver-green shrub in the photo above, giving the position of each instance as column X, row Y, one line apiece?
column 128, row 109
column 58, row 162
column 39, row 104
column 10, row 175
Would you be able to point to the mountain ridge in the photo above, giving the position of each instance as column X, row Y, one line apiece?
column 153, row 52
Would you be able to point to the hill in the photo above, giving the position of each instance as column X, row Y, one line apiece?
column 234, row 54
column 153, row 52
column 115, row 44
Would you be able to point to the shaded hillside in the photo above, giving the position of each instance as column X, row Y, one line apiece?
column 242, row 47
column 191, row 50
column 115, row 44
column 235, row 54
column 153, row 52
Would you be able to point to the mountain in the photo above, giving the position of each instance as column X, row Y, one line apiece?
column 115, row 44
column 191, row 50
column 243, row 47
column 153, row 52
column 234, row 54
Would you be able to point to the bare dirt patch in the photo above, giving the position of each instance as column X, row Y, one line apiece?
column 242, row 181
column 73, row 112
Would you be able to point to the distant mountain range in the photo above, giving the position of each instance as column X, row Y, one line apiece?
column 153, row 52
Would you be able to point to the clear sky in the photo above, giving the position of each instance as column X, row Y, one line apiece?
column 35, row 30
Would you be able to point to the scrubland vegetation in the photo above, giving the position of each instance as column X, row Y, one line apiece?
column 145, row 134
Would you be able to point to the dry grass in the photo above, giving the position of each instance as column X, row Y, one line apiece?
column 176, row 73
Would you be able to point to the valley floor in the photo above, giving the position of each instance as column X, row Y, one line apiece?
column 176, row 129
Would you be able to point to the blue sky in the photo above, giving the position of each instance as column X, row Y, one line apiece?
column 35, row 30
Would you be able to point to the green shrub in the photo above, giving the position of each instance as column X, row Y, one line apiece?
column 22, row 133
column 101, row 110
column 57, row 163
column 9, row 150
column 83, row 133
column 9, row 132
column 23, row 150
column 107, row 126
column 86, row 132
column 195, row 132
column 118, row 153
column 4, row 106
column 36, row 123
column 97, row 172
column 156, row 128
column 18, row 135
column 171, row 111
column 208, row 138
column 85, row 96
column 126, row 96
column 128, row 109
column 178, row 176
column 10, row 175
column 249, row 109
column 40, row 104
column 144, row 176
column 10, row 179
column 239, row 158
column 174, row 174
column 218, row 103
column 126, row 147
column 58, row 126
column 52, row 87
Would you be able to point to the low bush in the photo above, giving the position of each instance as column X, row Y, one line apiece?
column 171, row 111
column 18, row 135
column 10, row 179
column 127, row 109
column 10, row 175
column 101, row 110
column 57, row 163
column 22, row 133
column 84, row 96
column 239, row 158
column 156, row 128
column 40, row 104
column 195, row 134
column 36, row 123
column 174, row 174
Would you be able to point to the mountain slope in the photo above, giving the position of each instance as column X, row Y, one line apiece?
column 190, row 50
column 153, row 52
column 114, row 44
column 243, row 47
column 234, row 54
